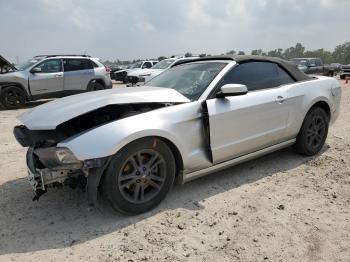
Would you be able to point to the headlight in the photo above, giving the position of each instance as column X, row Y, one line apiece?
column 56, row 156
column 66, row 156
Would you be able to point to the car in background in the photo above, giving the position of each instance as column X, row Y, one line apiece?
column 142, row 76
column 195, row 118
column 314, row 66
column 121, row 75
column 345, row 71
column 52, row 76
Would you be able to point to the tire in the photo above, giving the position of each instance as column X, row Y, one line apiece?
column 130, row 185
column 313, row 133
column 95, row 86
column 13, row 97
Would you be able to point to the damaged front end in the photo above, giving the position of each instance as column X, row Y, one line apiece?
column 52, row 166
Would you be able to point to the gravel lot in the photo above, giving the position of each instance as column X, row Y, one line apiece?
column 282, row 207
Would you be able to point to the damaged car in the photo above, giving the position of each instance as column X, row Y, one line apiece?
column 200, row 116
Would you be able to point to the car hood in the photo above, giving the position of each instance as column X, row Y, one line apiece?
column 141, row 72
column 4, row 62
column 48, row 116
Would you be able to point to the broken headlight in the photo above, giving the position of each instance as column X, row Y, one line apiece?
column 56, row 156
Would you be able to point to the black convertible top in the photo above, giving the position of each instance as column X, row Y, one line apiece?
column 288, row 66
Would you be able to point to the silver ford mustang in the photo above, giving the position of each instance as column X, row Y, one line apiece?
column 131, row 144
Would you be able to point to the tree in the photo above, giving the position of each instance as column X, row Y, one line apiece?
column 188, row 54
column 257, row 52
column 241, row 53
column 294, row 51
column 341, row 53
column 161, row 58
column 231, row 52
column 203, row 55
column 276, row 53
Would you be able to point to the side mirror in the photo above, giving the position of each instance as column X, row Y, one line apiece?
column 232, row 90
column 36, row 70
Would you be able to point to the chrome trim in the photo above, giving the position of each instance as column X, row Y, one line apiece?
column 236, row 161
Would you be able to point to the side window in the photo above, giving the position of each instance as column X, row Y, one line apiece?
column 154, row 63
column 284, row 77
column 51, row 66
column 255, row 75
column 76, row 64
column 312, row 62
column 147, row 65
column 94, row 65
column 318, row 62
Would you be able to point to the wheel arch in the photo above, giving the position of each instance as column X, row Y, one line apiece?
column 6, row 85
column 96, row 80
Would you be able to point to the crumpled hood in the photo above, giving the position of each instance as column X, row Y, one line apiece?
column 48, row 116
column 141, row 72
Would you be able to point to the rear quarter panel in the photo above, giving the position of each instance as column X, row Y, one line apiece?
column 304, row 95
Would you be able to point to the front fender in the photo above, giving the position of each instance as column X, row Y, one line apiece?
column 108, row 139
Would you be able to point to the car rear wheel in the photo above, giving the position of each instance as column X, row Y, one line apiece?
column 95, row 86
column 13, row 97
column 139, row 177
column 313, row 133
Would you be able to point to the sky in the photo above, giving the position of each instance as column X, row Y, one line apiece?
column 131, row 29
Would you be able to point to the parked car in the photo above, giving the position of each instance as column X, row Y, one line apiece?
column 193, row 119
column 52, row 76
column 345, row 71
column 142, row 76
column 314, row 66
column 121, row 75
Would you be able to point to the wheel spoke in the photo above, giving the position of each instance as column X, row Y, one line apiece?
column 156, row 178
column 127, row 184
column 139, row 158
column 157, row 163
column 128, row 176
column 153, row 184
column 136, row 192
column 142, row 193
column 133, row 163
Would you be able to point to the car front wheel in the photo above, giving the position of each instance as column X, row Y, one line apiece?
column 139, row 176
column 13, row 97
column 313, row 133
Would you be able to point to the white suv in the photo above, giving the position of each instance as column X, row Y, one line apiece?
column 52, row 76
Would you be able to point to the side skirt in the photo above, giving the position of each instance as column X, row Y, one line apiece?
column 236, row 161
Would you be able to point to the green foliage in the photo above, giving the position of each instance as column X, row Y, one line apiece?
column 161, row 58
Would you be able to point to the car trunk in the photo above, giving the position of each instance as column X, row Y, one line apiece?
column 6, row 66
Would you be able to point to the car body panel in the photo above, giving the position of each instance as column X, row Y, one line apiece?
column 69, row 107
column 209, row 133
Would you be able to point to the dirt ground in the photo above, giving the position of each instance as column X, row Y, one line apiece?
column 282, row 207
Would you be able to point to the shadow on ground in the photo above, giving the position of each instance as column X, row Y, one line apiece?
column 62, row 217
column 28, row 105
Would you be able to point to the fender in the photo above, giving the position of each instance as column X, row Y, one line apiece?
column 7, row 84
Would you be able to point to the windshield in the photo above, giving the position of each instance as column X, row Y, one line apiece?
column 164, row 64
column 25, row 65
column 136, row 65
column 191, row 80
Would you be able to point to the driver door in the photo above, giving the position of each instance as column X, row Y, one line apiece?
column 243, row 124
column 49, row 79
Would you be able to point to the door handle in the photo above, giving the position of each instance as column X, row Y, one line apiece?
column 58, row 75
column 280, row 99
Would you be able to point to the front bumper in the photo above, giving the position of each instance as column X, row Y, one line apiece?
column 41, row 177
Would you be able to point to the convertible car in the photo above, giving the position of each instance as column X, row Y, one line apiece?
column 131, row 144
